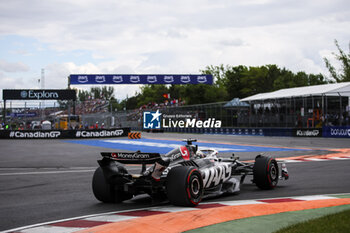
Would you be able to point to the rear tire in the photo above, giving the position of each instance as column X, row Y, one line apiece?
column 265, row 172
column 105, row 192
column 184, row 186
column 101, row 189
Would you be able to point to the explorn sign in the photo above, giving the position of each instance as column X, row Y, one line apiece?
column 39, row 95
column 47, row 94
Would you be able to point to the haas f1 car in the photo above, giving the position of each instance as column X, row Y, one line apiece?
column 185, row 175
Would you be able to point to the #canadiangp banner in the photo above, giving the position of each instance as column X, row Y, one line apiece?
column 140, row 79
column 60, row 134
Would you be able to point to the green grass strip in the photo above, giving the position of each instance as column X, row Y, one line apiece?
column 340, row 195
column 335, row 223
column 270, row 223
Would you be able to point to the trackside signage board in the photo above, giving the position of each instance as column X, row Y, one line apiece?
column 39, row 94
column 140, row 79
column 336, row 132
column 60, row 134
column 307, row 132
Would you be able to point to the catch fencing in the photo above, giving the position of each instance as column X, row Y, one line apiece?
column 306, row 112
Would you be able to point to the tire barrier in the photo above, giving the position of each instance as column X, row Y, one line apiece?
column 136, row 135
column 62, row 134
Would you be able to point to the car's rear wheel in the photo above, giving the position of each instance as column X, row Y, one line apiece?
column 106, row 192
column 184, row 186
column 265, row 172
column 101, row 189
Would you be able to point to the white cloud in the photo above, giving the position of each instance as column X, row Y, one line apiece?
column 182, row 36
column 13, row 66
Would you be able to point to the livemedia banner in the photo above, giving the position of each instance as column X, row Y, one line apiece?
column 88, row 79
column 62, row 134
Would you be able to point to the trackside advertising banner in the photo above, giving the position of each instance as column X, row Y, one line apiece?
column 86, row 79
column 61, row 134
column 307, row 132
column 338, row 132
column 39, row 94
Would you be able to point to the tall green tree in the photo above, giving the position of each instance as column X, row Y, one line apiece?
column 152, row 93
column 83, row 95
column 106, row 93
column 344, row 74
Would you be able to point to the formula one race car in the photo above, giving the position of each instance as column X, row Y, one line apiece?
column 184, row 175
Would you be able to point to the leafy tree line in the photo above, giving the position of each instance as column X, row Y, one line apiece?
column 106, row 93
column 343, row 75
column 230, row 82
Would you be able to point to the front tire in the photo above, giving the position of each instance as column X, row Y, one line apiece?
column 265, row 172
column 184, row 186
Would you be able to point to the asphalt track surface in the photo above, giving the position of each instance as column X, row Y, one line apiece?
column 47, row 180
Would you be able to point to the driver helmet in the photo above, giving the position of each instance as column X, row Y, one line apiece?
column 200, row 154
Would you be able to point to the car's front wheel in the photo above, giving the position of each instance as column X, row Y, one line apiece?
column 265, row 172
column 184, row 186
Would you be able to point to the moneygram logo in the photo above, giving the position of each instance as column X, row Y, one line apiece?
column 152, row 120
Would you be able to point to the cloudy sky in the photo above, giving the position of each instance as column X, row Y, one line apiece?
column 169, row 36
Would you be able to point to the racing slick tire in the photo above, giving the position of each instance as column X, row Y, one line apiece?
column 105, row 192
column 101, row 189
column 265, row 172
column 184, row 186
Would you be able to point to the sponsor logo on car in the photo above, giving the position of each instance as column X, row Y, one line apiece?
column 215, row 175
column 130, row 156
column 185, row 153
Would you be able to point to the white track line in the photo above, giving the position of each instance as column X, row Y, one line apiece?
column 43, row 172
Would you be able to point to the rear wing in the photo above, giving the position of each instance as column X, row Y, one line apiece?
column 132, row 157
